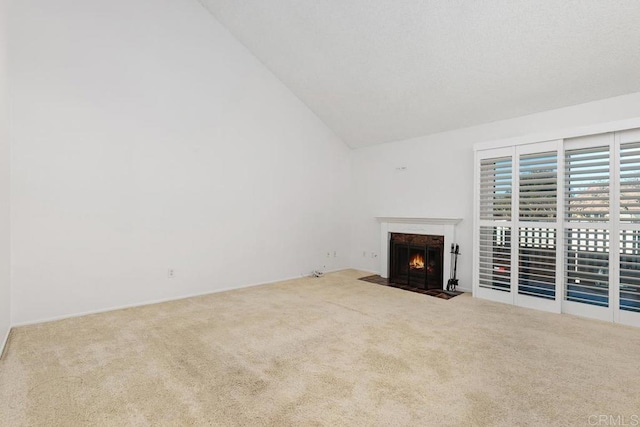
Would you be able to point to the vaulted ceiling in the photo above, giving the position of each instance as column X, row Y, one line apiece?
column 382, row 70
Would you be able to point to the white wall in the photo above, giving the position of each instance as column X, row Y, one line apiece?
column 438, row 181
column 5, row 256
column 147, row 138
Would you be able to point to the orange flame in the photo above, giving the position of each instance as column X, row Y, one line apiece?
column 417, row 262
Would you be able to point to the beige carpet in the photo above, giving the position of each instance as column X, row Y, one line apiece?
column 328, row 351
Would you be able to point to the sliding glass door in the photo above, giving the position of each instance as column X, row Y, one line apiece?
column 558, row 226
column 494, row 265
column 537, row 225
column 628, row 291
column 588, row 164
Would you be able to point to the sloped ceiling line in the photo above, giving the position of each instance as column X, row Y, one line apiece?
column 380, row 70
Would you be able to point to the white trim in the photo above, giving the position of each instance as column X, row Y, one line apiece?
column 560, row 237
column 629, row 318
column 515, row 226
column 573, row 132
column 632, row 135
column 588, row 310
column 475, row 275
column 334, row 270
column 505, row 297
column 630, row 226
column 4, row 342
column 614, row 232
column 162, row 300
column 537, row 303
column 407, row 220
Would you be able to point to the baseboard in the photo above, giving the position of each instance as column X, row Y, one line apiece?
column 162, row 300
column 335, row 270
column 3, row 344
column 365, row 270
column 158, row 301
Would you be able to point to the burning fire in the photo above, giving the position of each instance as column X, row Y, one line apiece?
column 417, row 262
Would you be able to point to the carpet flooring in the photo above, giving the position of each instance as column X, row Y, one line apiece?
column 320, row 351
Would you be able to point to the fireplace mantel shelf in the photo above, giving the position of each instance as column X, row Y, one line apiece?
column 406, row 220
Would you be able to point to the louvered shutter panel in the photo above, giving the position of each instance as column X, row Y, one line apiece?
column 537, row 262
column 630, row 270
column 495, row 188
column 587, row 266
column 570, row 240
column 630, row 182
column 538, row 198
column 587, row 184
column 587, row 177
column 538, row 186
column 629, row 216
column 495, row 258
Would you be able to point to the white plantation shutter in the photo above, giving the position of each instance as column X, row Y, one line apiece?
column 629, row 193
column 537, row 214
column 630, row 270
column 495, row 209
column 630, row 182
column 587, row 215
column 495, row 258
column 587, row 266
column 537, row 262
column 559, row 225
column 538, row 186
column 587, row 184
column 495, row 188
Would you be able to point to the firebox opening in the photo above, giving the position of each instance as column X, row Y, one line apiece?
column 416, row 260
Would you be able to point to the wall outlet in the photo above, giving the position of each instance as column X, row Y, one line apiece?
column 171, row 273
column 335, row 254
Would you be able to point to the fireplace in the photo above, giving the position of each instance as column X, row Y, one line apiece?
column 425, row 226
column 416, row 260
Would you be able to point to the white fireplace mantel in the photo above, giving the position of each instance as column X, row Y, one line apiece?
column 406, row 220
column 430, row 226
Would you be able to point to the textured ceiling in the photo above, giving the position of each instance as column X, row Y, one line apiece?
column 384, row 70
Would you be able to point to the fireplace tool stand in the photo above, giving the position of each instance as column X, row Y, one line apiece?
column 453, row 280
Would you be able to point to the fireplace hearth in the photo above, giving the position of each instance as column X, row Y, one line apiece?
column 416, row 260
